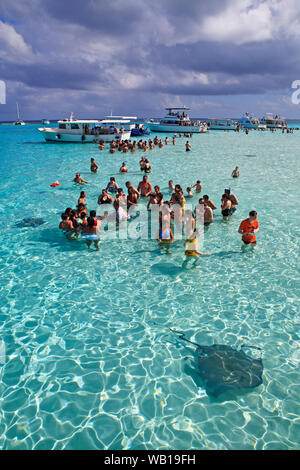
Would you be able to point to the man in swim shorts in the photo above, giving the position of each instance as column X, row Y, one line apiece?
column 234, row 200
column 208, row 214
column 91, row 231
column 248, row 229
column 145, row 187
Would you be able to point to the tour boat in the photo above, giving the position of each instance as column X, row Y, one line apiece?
column 176, row 120
column 19, row 121
column 222, row 125
column 250, row 122
column 45, row 121
column 274, row 122
column 85, row 131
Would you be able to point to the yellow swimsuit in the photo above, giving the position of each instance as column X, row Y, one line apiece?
column 191, row 247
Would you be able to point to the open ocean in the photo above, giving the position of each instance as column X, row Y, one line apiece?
column 87, row 360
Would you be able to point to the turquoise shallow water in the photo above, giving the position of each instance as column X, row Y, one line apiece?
column 89, row 360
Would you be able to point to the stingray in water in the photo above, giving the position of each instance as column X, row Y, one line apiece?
column 30, row 222
column 223, row 368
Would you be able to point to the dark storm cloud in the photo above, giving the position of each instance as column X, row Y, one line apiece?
column 73, row 76
column 115, row 18
column 164, row 47
column 268, row 57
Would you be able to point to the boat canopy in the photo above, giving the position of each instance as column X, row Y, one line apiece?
column 114, row 121
column 93, row 121
column 121, row 117
column 183, row 107
column 80, row 121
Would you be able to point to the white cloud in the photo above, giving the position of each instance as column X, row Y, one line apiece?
column 240, row 23
column 13, row 48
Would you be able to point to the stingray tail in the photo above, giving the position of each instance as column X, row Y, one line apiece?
column 182, row 336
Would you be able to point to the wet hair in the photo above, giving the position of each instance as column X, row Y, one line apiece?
column 82, row 194
column 83, row 215
column 252, row 213
column 92, row 213
column 227, row 191
column 68, row 210
column 64, row 216
column 205, row 196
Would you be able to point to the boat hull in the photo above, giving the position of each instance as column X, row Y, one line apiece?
column 275, row 126
column 156, row 127
column 57, row 135
column 222, row 128
column 254, row 126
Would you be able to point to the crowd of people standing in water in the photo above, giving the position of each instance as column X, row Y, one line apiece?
column 78, row 222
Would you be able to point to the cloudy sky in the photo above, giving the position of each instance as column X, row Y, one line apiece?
column 94, row 57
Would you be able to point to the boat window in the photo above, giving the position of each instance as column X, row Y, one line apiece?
column 74, row 126
column 62, row 126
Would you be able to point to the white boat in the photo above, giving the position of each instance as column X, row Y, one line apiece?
column 19, row 121
column 45, row 121
column 127, row 125
column 85, row 131
column 222, row 125
column 176, row 120
column 250, row 122
column 274, row 122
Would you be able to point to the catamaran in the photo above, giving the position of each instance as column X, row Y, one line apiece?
column 176, row 120
column 87, row 130
column 19, row 121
